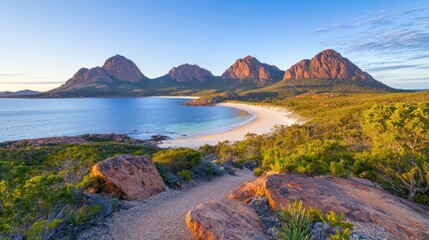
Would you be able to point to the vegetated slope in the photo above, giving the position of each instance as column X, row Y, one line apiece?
column 25, row 92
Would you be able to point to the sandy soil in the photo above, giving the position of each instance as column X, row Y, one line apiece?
column 163, row 216
column 265, row 118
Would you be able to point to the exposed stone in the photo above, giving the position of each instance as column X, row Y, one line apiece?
column 359, row 202
column 250, row 68
column 128, row 177
column 93, row 75
column 328, row 64
column 187, row 72
column 225, row 220
column 122, row 69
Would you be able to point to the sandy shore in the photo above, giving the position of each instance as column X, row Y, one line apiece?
column 264, row 119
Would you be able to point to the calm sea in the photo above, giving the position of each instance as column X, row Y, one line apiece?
column 138, row 117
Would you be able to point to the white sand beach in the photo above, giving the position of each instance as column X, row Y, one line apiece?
column 265, row 118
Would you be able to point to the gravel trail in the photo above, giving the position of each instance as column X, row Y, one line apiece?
column 163, row 216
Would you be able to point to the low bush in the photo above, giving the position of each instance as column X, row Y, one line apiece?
column 169, row 178
column 178, row 159
column 297, row 220
column 185, row 174
column 338, row 169
column 258, row 171
column 207, row 170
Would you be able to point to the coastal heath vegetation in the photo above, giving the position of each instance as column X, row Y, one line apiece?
column 381, row 137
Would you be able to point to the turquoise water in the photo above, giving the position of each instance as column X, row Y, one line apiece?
column 138, row 117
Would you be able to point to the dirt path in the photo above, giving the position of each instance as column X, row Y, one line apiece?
column 163, row 216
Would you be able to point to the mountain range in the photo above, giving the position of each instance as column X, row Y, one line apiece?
column 119, row 76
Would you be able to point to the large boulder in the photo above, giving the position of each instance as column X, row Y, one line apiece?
column 128, row 177
column 360, row 201
column 225, row 220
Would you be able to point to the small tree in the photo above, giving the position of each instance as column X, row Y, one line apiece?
column 400, row 142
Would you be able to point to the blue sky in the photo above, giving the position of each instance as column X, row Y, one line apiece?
column 43, row 43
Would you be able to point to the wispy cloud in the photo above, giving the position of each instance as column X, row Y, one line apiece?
column 21, row 75
column 394, row 67
column 47, row 82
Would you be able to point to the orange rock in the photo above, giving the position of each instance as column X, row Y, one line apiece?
column 328, row 64
column 359, row 200
column 187, row 72
column 250, row 68
column 128, row 177
column 225, row 220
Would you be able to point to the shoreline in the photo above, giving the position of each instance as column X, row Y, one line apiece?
column 263, row 120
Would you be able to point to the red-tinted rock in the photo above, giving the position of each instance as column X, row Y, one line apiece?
column 128, row 177
column 122, row 69
column 225, row 220
column 358, row 200
column 328, row 64
column 187, row 72
column 250, row 68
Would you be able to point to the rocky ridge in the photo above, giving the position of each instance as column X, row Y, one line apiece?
column 188, row 72
column 249, row 68
column 116, row 68
column 327, row 64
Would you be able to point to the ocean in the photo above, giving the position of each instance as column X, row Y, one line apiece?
column 138, row 117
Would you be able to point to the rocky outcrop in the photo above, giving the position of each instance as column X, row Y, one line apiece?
column 116, row 68
column 328, row 64
column 249, row 68
column 122, row 69
column 225, row 220
column 187, row 72
column 360, row 201
column 128, row 177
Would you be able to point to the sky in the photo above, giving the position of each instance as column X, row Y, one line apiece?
column 43, row 43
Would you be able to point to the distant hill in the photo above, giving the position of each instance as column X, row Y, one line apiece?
column 119, row 76
column 20, row 93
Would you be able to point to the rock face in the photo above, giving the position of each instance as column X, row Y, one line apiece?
column 122, row 69
column 328, row 64
column 225, row 220
column 129, row 177
column 187, row 72
column 359, row 202
column 249, row 68
column 115, row 68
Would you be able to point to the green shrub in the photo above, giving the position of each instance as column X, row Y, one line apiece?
column 178, row 159
column 335, row 220
column 185, row 174
column 41, row 229
column 298, row 220
column 338, row 169
column 258, row 171
column 207, row 170
column 82, row 215
column 169, row 178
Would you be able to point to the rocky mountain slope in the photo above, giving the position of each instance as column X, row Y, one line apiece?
column 249, row 68
column 327, row 64
column 119, row 76
column 188, row 72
